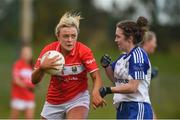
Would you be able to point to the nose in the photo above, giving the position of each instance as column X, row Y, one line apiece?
column 116, row 39
column 69, row 39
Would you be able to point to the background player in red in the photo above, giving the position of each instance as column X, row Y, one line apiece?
column 22, row 88
column 68, row 95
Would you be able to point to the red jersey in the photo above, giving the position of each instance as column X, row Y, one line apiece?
column 22, row 71
column 78, row 63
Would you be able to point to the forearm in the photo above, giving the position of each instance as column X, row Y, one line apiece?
column 97, row 82
column 97, row 100
column 110, row 73
column 37, row 75
column 130, row 87
column 122, row 90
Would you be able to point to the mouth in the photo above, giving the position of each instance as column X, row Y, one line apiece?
column 118, row 45
column 69, row 45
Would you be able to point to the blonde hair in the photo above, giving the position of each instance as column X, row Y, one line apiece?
column 148, row 36
column 69, row 19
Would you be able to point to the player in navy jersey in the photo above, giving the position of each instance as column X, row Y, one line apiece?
column 131, row 72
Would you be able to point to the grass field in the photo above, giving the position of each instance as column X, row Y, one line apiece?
column 164, row 89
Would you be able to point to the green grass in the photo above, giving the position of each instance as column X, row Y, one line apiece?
column 164, row 90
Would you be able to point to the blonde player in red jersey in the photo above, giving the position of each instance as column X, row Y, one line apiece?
column 68, row 95
column 22, row 95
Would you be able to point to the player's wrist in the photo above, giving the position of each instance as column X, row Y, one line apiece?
column 104, row 91
column 108, row 90
column 105, row 66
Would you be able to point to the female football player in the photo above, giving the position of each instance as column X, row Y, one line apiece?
column 22, row 95
column 149, row 44
column 68, row 95
column 131, row 72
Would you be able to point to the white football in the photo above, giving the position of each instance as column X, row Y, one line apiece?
column 61, row 61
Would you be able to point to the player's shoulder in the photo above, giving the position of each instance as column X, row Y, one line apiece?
column 138, row 55
column 51, row 46
column 122, row 55
column 82, row 47
column 119, row 58
column 18, row 63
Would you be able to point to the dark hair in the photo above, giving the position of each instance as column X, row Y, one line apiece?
column 134, row 29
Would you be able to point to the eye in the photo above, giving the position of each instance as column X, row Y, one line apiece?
column 117, row 36
column 73, row 36
column 65, row 36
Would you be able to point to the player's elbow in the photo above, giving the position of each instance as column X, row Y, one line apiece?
column 133, row 90
column 34, row 80
column 133, row 86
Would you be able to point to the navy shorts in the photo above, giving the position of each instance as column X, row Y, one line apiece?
column 134, row 110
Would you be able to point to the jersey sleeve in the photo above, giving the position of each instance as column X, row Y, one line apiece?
column 138, row 65
column 88, row 60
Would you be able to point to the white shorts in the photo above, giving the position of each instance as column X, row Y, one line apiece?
column 59, row 111
column 22, row 104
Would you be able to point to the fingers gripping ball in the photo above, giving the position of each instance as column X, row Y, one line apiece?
column 105, row 60
column 60, row 62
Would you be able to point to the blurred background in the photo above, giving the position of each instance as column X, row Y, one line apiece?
column 34, row 21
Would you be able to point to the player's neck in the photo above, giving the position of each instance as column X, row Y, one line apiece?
column 146, row 49
column 65, row 52
column 24, row 60
column 129, row 48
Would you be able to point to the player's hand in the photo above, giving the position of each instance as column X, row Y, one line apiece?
column 104, row 91
column 49, row 63
column 154, row 72
column 105, row 60
column 97, row 100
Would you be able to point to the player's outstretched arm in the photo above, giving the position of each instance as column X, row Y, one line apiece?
column 97, row 100
column 127, row 88
column 130, row 87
